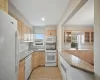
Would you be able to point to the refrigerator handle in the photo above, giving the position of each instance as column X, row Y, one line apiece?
column 16, row 52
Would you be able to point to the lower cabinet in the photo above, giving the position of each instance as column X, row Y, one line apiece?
column 21, row 71
column 35, row 60
column 41, row 59
column 38, row 59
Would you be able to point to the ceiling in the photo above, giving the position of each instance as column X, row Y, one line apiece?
column 34, row 10
column 85, row 16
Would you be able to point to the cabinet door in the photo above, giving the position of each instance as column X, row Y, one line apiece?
column 35, row 60
column 4, row 5
column 51, row 33
column 87, row 37
column 23, row 30
column 19, row 29
column 92, row 37
column 54, row 32
column 41, row 59
column 68, row 37
column 21, row 72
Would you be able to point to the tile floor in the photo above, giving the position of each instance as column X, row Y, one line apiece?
column 46, row 73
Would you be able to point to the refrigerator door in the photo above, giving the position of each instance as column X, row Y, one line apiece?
column 8, row 28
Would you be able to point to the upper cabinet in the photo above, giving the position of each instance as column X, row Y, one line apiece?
column 92, row 36
column 25, row 32
column 19, row 29
column 4, row 5
column 67, row 36
column 89, row 37
column 51, row 33
column 78, row 36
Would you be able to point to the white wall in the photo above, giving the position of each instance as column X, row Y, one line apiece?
column 60, row 38
column 50, row 27
column 72, row 8
column 79, row 27
column 38, row 30
column 97, row 39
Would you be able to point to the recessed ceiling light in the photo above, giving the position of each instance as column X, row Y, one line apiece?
column 43, row 19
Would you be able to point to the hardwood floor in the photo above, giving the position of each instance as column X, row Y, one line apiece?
column 46, row 73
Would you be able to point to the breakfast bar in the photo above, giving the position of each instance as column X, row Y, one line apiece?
column 74, row 68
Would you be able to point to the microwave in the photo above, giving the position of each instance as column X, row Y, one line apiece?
column 50, row 39
column 39, row 43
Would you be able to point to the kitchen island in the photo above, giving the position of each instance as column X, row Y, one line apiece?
column 73, row 68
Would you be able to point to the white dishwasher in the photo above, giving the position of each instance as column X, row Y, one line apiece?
column 27, row 67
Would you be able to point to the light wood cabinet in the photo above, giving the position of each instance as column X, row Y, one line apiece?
column 51, row 33
column 35, row 60
column 4, row 5
column 19, row 29
column 92, row 37
column 89, row 37
column 86, row 36
column 21, row 71
column 23, row 31
column 67, row 36
column 38, row 59
column 41, row 59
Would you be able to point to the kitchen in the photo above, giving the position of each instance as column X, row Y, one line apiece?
column 38, row 48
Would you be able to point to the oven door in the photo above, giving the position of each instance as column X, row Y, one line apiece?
column 50, row 46
column 50, row 57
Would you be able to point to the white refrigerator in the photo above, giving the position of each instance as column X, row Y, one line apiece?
column 9, row 47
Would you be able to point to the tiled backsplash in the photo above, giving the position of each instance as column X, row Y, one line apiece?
column 39, row 47
column 24, row 46
column 29, row 46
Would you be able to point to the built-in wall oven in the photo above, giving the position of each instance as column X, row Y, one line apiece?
column 50, row 51
column 50, row 46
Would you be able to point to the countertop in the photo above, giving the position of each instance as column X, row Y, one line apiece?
column 77, row 62
column 26, row 53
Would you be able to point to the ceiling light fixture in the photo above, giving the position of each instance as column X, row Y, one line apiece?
column 43, row 19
